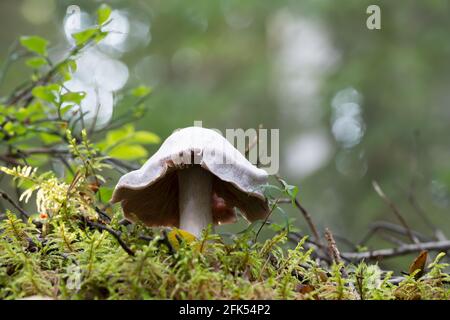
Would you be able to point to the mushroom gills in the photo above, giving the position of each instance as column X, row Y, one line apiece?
column 195, row 200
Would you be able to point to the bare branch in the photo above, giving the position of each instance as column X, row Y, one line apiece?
column 115, row 233
column 399, row 251
column 391, row 227
column 332, row 247
column 306, row 215
column 395, row 210
column 266, row 220
column 295, row 237
column 5, row 196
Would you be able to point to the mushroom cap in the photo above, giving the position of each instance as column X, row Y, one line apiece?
column 150, row 194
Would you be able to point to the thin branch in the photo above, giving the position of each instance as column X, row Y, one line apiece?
column 295, row 237
column 124, row 222
column 116, row 234
column 337, row 259
column 274, row 205
column 345, row 241
column 399, row 251
column 122, row 164
column 391, row 227
column 395, row 210
column 5, row 196
column 438, row 234
column 9, row 160
column 392, row 239
column 418, row 209
column 332, row 247
column 102, row 214
column 305, row 214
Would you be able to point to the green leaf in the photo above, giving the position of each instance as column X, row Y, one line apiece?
column 292, row 191
column 9, row 127
column 141, row 91
column 128, row 152
column 100, row 36
column 21, row 114
column 36, row 62
column 75, row 97
column 119, row 134
column 35, row 44
column 145, row 137
column 105, row 193
column 103, row 14
column 49, row 138
column 67, row 68
column 84, row 36
column 66, row 108
column 46, row 93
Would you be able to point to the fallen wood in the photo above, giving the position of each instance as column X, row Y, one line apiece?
column 399, row 251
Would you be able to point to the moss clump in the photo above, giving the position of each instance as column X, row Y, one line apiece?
column 72, row 261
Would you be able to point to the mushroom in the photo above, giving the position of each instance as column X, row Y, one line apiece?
column 196, row 178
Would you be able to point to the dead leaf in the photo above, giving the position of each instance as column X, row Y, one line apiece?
column 419, row 263
column 304, row 288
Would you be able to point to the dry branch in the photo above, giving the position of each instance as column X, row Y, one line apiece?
column 391, row 227
column 395, row 210
column 115, row 233
column 306, row 215
column 399, row 251
column 332, row 247
column 5, row 196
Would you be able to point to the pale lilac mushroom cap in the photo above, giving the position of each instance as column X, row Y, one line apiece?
column 196, row 178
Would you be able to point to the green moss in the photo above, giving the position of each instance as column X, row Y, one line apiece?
column 70, row 261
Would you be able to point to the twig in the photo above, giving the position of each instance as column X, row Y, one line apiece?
column 438, row 234
column 122, row 164
column 306, row 215
column 399, row 251
column 116, row 234
column 332, row 247
column 336, row 257
column 345, row 241
column 5, row 196
column 395, row 210
column 420, row 212
column 392, row 239
column 102, row 214
column 295, row 237
column 124, row 222
column 9, row 160
column 388, row 226
column 274, row 205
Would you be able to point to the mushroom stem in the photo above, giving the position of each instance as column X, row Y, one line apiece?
column 195, row 189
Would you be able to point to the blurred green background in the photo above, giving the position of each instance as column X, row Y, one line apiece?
column 353, row 105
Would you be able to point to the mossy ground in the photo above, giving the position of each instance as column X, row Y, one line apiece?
column 66, row 259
